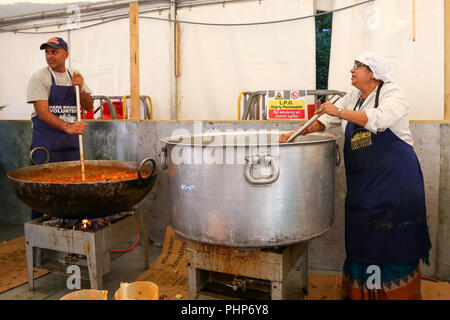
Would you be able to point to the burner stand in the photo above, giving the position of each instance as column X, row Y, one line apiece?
column 93, row 245
column 248, row 274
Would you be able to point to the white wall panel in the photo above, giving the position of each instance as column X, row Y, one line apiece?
column 20, row 57
column 217, row 63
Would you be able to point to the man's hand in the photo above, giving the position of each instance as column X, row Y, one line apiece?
column 77, row 80
column 75, row 128
column 86, row 101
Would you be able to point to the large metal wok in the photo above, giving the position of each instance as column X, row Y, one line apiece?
column 83, row 200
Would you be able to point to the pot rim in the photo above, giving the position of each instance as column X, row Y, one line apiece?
column 128, row 164
column 177, row 140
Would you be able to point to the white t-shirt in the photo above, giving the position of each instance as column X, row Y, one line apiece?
column 41, row 81
column 392, row 112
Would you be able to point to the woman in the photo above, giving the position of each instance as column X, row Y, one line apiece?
column 386, row 231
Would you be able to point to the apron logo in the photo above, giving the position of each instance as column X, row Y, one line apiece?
column 67, row 118
column 362, row 139
column 65, row 113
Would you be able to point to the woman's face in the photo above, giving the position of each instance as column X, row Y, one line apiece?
column 361, row 75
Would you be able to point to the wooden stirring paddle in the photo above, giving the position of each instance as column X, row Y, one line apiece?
column 80, row 137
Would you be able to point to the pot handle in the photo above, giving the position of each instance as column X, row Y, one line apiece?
column 142, row 164
column 163, row 155
column 39, row 148
column 338, row 156
column 265, row 161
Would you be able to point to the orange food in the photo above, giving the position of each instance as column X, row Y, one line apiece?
column 93, row 173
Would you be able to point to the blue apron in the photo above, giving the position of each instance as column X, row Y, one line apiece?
column 385, row 213
column 61, row 145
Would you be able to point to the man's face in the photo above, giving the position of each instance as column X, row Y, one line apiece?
column 56, row 58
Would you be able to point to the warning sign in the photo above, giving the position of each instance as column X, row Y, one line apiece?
column 286, row 105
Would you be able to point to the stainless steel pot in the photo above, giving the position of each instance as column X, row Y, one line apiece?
column 246, row 190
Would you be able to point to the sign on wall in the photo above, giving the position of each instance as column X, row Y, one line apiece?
column 286, row 105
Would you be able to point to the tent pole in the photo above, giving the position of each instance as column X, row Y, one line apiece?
column 447, row 59
column 134, row 61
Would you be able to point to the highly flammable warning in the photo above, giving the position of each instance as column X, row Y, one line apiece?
column 286, row 105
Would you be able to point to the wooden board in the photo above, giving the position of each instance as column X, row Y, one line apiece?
column 324, row 287
column 169, row 272
column 435, row 290
column 13, row 264
column 328, row 287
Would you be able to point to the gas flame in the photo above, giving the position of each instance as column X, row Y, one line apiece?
column 86, row 223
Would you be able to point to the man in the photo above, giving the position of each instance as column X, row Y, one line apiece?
column 52, row 92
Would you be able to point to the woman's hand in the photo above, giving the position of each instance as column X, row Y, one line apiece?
column 327, row 108
column 285, row 137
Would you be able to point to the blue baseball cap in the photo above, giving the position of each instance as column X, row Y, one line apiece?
column 55, row 43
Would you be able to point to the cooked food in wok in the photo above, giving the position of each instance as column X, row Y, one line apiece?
column 72, row 174
column 110, row 186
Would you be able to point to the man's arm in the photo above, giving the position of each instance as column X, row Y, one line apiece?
column 43, row 112
column 86, row 100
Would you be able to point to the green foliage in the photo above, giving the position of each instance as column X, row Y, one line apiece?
column 323, row 44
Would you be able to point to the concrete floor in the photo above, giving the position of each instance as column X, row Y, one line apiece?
column 125, row 267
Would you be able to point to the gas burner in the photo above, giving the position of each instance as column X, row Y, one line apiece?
column 84, row 224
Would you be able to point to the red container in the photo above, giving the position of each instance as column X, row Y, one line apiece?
column 107, row 112
column 89, row 114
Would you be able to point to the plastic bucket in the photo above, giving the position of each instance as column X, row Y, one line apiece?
column 87, row 294
column 140, row 290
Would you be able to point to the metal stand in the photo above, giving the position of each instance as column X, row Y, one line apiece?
column 261, row 274
column 94, row 245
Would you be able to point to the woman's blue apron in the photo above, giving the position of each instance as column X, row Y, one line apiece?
column 385, row 213
column 61, row 145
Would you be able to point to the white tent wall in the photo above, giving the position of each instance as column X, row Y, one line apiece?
column 102, row 53
column 20, row 57
column 156, row 64
column 217, row 63
column 387, row 27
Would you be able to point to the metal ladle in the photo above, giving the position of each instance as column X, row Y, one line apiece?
column 306, row 125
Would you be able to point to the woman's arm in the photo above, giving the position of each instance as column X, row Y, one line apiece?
column 314, row 127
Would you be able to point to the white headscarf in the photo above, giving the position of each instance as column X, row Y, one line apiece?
column 378, row 64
